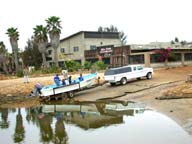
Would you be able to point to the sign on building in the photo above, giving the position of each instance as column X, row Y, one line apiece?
column 105, row 50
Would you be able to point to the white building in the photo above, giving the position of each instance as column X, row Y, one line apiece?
column 73, row 47
column 156, row 45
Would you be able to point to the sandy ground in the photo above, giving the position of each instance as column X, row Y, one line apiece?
column 165, row 82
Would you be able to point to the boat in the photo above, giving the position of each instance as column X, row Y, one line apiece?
column 76, row 85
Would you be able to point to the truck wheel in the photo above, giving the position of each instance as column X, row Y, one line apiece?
column 123, row 81
column 149, row 75
column 112, row 84
column 70, row 94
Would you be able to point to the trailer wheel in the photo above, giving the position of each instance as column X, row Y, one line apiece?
column 70, row 94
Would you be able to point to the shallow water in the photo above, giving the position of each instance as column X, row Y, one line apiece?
column 89, row 123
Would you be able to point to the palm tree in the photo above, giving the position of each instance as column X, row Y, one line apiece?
column 14, row 37
column 54, row 30
column 3, row 52
column 40, row 33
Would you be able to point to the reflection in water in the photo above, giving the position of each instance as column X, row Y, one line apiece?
column 19, row 129
column 79, row 123
column 45, row 127
column 4, row 115
column 60, row 133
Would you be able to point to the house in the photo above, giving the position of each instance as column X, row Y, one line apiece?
column 73, row 46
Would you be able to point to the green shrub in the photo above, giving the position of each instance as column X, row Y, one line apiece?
column 19, row 73
column 73, row 65
column 87, row 65
column 51, row 70
column 100, row 65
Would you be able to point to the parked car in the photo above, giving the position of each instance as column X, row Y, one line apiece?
column 125, row 73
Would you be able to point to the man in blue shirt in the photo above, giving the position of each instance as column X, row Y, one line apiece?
column 57, row 80
column 81, row 77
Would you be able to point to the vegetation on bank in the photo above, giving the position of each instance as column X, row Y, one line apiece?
column 71, row 66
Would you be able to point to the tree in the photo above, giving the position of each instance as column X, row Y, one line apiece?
column 54, row 30
column 172, row 42
column 123, row 37
column 14, row 37
column 100, row 29
column 31, row 55
column 176, row 39
column 183, row 42
column 3, row 52
column 112, row 28
column 40, row 33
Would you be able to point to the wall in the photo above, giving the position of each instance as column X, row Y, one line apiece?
column 101, row 42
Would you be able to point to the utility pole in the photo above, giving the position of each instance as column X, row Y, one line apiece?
column 122, row 54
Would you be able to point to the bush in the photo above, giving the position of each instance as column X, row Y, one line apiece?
column 87, row 65
column 19, row 73
column 100, row 65
column 73, row 65
column 51, row 70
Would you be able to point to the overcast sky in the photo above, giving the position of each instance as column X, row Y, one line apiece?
column 143, row 21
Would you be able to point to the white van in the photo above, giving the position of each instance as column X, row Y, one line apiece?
column 125, row 73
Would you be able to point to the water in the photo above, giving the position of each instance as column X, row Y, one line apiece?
column 89, row 123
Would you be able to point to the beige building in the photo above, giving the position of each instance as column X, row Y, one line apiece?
column 73, row 47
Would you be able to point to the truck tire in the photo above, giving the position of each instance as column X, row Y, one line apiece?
column 123, row 81
column 149, row 75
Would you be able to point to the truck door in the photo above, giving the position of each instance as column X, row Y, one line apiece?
column 140, row 71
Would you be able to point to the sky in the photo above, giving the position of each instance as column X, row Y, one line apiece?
column 143, row 21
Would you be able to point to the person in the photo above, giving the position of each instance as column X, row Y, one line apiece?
column 37, row 89
column 70, row 81
column 65, row 73
column 57, row 80
column 65, row 82
column 81, row 77
column 25, row 73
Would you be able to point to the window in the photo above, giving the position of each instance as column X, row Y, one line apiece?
column 188, row 56
column 139, row 68
column 110, row 72
column 75, row 49
column 62, row 50
column 118, row 71
column 93, row 47
column 124, row 70
column 136, row 59
column 49, row 52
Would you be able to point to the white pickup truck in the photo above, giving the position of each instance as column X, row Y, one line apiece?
column 125, row 73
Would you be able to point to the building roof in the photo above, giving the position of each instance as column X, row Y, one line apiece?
column 94, row 34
